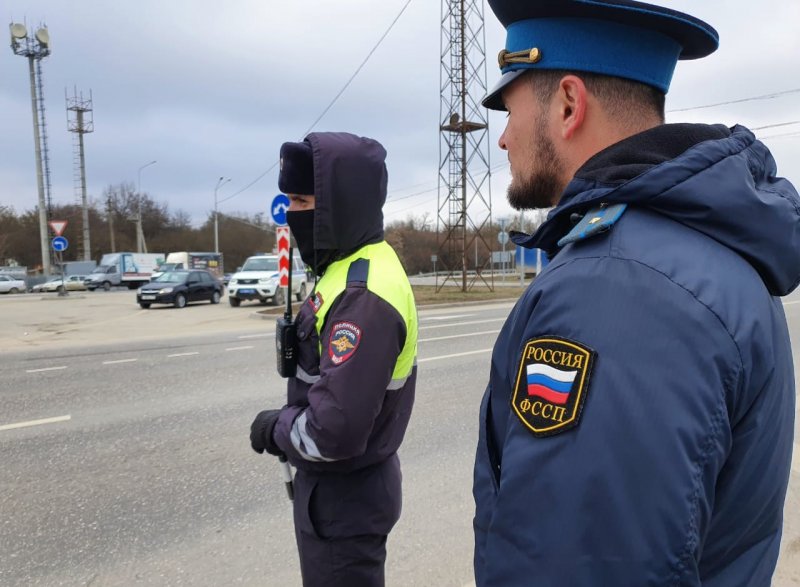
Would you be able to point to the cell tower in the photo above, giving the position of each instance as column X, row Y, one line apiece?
column 465, row 199
column 36, row 48
column 80, row 123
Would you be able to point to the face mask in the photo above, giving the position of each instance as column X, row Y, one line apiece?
column 302, row 226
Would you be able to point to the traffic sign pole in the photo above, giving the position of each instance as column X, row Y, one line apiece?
column 284, row 263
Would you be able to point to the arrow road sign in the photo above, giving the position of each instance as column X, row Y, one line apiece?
column 58, row 227
column 280, row 204
column 60, row 243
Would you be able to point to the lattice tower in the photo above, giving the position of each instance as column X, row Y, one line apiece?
column 464, row 199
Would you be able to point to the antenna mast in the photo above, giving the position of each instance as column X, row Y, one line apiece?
column 80, row 123
column 464, row 200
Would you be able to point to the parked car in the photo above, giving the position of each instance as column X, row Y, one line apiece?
column 12, row 285
column 179, row 288
column 73, row 283
column 258, row 280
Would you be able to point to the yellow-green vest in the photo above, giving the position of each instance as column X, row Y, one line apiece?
column 387, row 279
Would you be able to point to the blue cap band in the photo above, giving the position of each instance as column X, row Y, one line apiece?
column 604, row 47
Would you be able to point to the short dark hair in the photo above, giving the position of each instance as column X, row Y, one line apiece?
column 625, row 100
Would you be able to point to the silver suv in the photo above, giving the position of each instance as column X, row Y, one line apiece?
column 258, row 280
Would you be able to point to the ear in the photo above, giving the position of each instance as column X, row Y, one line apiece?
column 572, row 105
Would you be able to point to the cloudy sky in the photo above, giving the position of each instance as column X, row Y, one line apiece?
column 210, row 89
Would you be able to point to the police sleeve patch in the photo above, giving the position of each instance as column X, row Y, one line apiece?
column 343, row 341
column 552, row 384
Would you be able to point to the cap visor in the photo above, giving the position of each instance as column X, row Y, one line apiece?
column 494, row 99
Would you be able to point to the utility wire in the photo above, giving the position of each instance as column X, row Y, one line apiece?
column 358, row 69
column 779, row 136
column 762, row 97
column 775, row 125
column 332, row 102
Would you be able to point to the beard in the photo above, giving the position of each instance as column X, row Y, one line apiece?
column 543, row 187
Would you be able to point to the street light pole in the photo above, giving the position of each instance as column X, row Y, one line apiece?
column 220, row 182
column 141, row 247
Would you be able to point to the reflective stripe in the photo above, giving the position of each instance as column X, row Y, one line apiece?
column 303, row 443
column 396, row 383
column 305, row 377
column 400, row 382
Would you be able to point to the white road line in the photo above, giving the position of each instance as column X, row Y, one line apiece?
column 45, row 369
column 183, row 354
column 119, row 361
column 239, row 348
column 35, row 422
column 462, row 323
column 454, row 355
column 458, row 335
column 256, row 335
column 448, row 317
column 790, row 303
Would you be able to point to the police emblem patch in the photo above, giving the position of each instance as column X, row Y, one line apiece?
column 343, row 341
column 552, row 384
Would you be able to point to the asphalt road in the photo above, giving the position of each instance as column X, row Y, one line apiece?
column 125, row 454
column 141, row 473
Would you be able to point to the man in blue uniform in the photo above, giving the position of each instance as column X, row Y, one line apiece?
column 638, row 423
column 350, row 402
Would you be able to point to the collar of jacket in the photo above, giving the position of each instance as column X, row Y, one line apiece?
column 602, row 179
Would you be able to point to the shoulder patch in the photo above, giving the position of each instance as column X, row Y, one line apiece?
column 343, row 341
column 596, row 221
column 315, row 301
column 552, row 384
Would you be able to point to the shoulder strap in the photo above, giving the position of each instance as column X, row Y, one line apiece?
column 358, row 272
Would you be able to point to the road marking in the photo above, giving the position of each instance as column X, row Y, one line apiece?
column 183, row 354
column 45, row 369
column 458, row 335
column 462, row 323
column 790, row 303
column 239, row 348
column 454, row 355
column 256, row 335
column 35, row 422
column 796, row 459
column 449, row 317
column 119, row 361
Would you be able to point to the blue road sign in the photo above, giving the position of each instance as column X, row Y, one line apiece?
column 278, row 208
column 60, row 243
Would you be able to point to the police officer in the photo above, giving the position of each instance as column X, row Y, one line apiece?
column 350, row 402
column 637, row 426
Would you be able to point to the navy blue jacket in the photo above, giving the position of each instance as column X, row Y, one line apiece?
column 675, row 466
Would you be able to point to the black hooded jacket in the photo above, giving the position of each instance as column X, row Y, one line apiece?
column 344, row 411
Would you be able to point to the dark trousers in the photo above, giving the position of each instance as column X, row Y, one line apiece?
column 342, row 562
column 341, row 523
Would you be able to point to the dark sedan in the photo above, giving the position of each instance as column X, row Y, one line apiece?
column 179, row 288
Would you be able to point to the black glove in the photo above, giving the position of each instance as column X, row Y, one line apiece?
column 261, row 433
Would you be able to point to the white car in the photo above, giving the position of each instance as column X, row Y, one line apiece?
column 12, row 285
column 258, row 280
column 74, row 283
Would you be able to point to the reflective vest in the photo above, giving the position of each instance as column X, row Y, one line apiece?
column 379, row 267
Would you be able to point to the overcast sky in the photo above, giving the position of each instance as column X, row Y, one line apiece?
column 210, row 89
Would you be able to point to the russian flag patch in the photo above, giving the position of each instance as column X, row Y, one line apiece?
column 552, row 384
